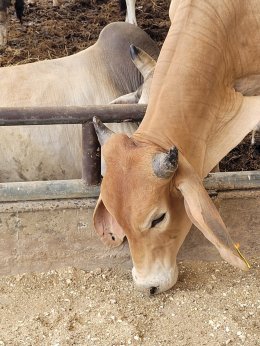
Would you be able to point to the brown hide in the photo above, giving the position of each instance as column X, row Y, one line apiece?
column 192, row 106
column 209, row 45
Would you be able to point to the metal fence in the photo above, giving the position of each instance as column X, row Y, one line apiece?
column 91, row 177
column 76, row 115
column 91, row 160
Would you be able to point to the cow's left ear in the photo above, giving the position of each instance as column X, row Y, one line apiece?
column 204, row 215
column 106, row 226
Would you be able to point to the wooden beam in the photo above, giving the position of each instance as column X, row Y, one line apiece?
column 91, row 155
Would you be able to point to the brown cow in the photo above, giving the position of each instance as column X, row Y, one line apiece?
column 152, row 190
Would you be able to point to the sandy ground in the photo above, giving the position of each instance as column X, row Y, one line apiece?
column 212, row 304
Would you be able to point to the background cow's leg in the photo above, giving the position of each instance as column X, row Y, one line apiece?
column 31, row 2
column 130, row 12
column 253, row 137
column 255, row 133
column 3, row 26
column 56, row 3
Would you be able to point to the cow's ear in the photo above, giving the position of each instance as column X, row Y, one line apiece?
column 106, row 226
column 204, row 215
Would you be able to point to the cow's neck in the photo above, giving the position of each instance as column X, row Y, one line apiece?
column 192, row 95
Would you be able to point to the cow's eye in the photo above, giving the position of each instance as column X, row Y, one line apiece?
column 158, row 220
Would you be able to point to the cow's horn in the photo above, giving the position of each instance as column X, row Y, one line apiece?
column 165, row 164
column 143, row 61
column 103, row 132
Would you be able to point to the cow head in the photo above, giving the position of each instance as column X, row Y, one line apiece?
column 152, row 197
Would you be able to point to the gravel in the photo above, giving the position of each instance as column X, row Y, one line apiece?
column 212, row 304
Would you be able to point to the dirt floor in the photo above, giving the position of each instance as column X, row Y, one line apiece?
column 49, row 33
column 212, row 304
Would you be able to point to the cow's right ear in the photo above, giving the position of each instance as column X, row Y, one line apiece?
column 106, row 226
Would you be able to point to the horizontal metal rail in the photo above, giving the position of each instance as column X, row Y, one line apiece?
column 66, row 189
column 69, row 115
column 91, row 152
column 222, row 181
column 13, row 116
column 46, row 190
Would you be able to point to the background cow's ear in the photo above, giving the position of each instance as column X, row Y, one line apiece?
column 106, row 226
column 204, row 215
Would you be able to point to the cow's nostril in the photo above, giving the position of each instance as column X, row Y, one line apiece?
column 153, row 290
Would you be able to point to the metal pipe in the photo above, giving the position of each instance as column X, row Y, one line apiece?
column 223, row 181
column 91, row 155
column 46, row 190
column 65, row 189
column 70, row 115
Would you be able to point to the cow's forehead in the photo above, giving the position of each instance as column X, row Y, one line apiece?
column 117, row 144
column 129, row 184
column 125, row 156
column 128, row 166
column 132, row 161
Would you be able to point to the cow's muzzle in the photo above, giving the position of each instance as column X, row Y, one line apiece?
column 155, row 281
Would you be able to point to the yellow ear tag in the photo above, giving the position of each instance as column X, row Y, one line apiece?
column 241, row 256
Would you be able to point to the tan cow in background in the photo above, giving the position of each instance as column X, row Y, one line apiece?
column 94, row 76
column 152, row 190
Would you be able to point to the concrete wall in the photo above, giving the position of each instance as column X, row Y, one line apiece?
column 240, row 211
column 43, row 235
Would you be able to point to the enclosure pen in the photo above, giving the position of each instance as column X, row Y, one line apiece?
column 47, row 238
